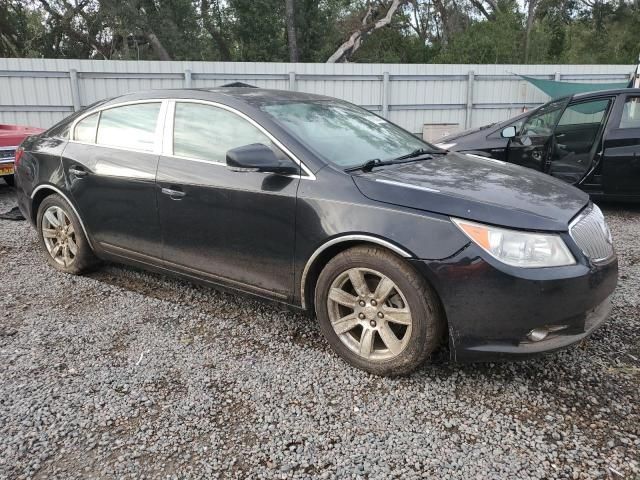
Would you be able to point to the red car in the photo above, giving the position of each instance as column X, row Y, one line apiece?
column 10, row 137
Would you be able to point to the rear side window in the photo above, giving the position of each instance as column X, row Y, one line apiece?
column 130, row 126
column 205, row 132
column 631, row 113
column 86, row 129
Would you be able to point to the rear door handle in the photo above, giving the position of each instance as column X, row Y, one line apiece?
column 174, row 194
column 78, row 172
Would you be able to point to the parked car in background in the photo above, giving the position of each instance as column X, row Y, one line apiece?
column 394, row 244
column 590, row 140
column 10, row 137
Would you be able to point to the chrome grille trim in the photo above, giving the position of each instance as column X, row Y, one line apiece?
column 590, row 232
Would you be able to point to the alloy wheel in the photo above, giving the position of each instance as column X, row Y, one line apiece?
column 369, row 314
column 59, row 236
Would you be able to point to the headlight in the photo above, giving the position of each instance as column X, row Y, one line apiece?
column 446, row 146
column 518, row 248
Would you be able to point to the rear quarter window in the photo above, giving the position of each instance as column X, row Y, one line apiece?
column 85, row 130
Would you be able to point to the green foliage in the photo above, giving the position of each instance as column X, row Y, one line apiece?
column 608, row 34
column 390, row 45
column 496, row 41
column 421, row 31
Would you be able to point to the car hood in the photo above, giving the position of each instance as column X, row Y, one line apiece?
column 12, row 135
column 476, row 188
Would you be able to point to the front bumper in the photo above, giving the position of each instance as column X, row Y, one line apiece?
column 491, row 307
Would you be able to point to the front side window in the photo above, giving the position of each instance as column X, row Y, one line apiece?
column 543, row 121
column 343, row 134
column 129, row 126
column 86, row 129
column 205, row 132
column 631, row 113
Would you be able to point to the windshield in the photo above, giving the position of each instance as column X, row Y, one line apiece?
column 344, row 134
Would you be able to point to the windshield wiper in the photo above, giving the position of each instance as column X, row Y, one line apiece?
column 376, row 162
column 416, row 153
column 366, row 166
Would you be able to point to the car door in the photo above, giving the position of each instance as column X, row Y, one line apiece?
column 576, row 139
column 621, row 161
column 237, row 228
column 530, row 147
column 110, row 165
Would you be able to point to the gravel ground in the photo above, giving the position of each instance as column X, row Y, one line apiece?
column 129, row 374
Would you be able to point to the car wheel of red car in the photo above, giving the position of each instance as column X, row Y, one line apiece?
column 61, row 236
column 10, row 180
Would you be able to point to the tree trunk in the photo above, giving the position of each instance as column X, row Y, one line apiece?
column 157, row 46
column 354, row 41
column 223, row 47
column 444, row 20
column 531, row 13
column 291, row 30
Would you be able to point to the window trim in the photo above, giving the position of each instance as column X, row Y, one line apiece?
column 163, row 142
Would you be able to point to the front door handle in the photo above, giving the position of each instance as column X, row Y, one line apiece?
column 174, row 194
column 78, row 172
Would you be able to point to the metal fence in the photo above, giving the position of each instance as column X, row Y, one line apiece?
column 39, row 92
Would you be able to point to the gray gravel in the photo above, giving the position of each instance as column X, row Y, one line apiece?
column 129, row 374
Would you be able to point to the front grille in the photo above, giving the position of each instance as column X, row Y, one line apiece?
column 7, row 154
column 590, row 232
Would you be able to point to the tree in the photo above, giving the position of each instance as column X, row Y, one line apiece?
column 531, row 13
column 457, row 31
column 291, row 30
column 369, row 23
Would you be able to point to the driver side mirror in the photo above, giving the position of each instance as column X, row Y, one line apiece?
column 509, row 132
column 258, row 158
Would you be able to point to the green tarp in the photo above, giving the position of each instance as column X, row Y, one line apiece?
column 561, row 89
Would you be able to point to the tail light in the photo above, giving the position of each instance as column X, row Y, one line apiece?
column 19, row 153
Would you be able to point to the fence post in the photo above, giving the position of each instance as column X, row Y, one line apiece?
column 467, row 117
column 187, row 78
column 292, row 81
column 75, row 89
column 557, row 76
column 385, row 94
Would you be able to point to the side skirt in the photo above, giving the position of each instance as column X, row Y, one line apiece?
column 146, row 262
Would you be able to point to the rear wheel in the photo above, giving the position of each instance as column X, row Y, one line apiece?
column 61, row 236
column 377, row 312
column 10, row 179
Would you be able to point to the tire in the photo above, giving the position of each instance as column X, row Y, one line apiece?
column 10, row 180
column 420, row 327
column 76, row 263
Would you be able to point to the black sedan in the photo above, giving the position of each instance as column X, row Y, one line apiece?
column 590, row 140
column 395, row 245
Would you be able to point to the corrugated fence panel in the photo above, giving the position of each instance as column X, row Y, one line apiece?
column 41, row 92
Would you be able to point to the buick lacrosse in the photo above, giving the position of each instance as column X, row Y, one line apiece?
column 396, row 246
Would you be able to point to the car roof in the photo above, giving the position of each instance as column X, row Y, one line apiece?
column 247, row 95
column 600, row 93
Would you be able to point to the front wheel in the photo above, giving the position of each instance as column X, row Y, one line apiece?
column 377, row 312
